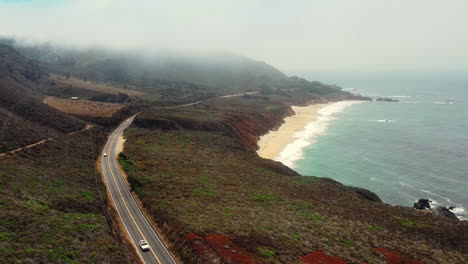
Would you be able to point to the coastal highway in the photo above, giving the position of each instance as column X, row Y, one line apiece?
column 135, row 222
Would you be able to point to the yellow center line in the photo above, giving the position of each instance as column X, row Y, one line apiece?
column 126, row 206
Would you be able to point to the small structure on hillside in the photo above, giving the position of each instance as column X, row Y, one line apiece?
column 74, row 98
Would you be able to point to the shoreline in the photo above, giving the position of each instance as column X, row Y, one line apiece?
column 272, row 143
column 298, row 131
column 288, row 142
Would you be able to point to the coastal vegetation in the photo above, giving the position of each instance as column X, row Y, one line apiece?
column 190, row 157
column 25, row 119
column 53, row 205
column 207, row 188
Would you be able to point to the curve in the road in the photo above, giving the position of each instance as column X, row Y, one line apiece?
column 136, row 225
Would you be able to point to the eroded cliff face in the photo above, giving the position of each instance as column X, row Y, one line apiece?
column 246, row 128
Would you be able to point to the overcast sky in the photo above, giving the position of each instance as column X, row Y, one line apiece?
column 317, row 35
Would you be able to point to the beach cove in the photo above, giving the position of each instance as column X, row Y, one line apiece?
column 272, row 143
column 401, row 151
column 298, row 131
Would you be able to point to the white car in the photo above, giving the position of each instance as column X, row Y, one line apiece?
column 105, row 154
column 115, row 131
column 144, row 245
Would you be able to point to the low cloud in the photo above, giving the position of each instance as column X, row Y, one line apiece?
column 335, row 35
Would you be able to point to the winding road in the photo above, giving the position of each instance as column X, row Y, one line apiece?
column 135, row 222
column 133, row 219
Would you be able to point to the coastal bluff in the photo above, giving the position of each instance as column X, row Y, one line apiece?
column 197, row 173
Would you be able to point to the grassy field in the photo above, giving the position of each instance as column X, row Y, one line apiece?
column 53, row 205
column 196, row 182
column 83, row 107
column 94, row 86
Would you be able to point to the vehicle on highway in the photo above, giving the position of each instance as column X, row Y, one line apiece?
column 105, row 154
column 144, row 245
column 115, row 131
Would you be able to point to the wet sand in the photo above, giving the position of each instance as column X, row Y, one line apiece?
column 272, row 143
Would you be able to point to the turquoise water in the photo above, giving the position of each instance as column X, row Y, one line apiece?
column 420, row 152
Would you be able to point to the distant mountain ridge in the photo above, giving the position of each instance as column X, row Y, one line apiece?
column 216, row 73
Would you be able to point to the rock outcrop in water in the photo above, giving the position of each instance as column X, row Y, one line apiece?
column 422, row 204
column 440, row 211
column 444, row 212
column 386, row 99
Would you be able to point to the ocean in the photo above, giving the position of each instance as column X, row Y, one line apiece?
column 417, row 148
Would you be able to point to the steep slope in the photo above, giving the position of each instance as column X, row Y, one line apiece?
column 24, row 118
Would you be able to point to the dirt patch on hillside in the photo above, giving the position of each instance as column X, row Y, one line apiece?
column 83, row 107
column 94, row 86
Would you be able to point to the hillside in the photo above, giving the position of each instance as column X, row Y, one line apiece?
column 196, row 173
column 53, row 205
column 174, row 77
column 24, row 118
column 190, row 158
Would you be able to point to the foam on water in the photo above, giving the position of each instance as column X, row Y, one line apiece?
column 434, row 202
column 405, row 184
column 431, row 193
column 443, row 102
column 293, row 151
column 458, row 210
column 351, row 89
column 420, row 153
column 385, row 121
column 375, row 179
column 409, row 102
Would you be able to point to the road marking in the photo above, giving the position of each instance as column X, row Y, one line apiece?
column 128, row 210
column 126, row 206
column 123, row 127
column 115, row 205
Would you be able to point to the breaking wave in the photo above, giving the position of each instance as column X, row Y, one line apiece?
column 294, row 151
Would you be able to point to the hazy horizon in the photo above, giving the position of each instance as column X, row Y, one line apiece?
column 294, row 36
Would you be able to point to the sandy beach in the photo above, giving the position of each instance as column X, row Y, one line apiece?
column 274, row 142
